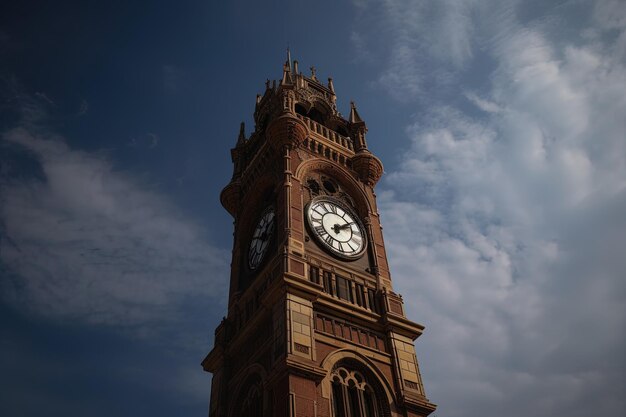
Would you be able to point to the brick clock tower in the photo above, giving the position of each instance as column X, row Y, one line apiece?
column 314, row 328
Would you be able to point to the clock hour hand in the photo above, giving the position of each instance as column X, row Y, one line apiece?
column 346, row 226
column 337, row 228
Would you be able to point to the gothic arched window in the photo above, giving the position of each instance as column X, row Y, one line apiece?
column 352, row 395
column 251, row 404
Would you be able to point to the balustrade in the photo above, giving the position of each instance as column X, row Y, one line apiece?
column 327, row 133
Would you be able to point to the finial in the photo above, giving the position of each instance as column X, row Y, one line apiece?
column 331, row 86
column 286, row 74
column 242, row 134
column 288, row 57
column 267, row 84
column 313, row 77
column 295, row 66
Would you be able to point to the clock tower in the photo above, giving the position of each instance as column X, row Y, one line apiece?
column 314, row 327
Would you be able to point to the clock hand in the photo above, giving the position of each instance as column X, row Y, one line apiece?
column 337, row 227
column 345, row 226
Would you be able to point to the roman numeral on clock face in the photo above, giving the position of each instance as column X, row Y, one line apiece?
column 320, row 230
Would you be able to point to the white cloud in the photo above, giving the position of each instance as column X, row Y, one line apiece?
column 91, row 243
column 505, row 230
column 481, row 103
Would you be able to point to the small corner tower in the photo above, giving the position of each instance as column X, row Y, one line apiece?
column 314, row 327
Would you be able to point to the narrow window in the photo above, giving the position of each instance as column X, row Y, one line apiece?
column 368, row 400
column 372, row 300
column 255, row 405
column 343, row 291
column 358, row 289
column 338, row 404
column 353, row 400
column 328, row 285
column 351, row 291
column 314, row 275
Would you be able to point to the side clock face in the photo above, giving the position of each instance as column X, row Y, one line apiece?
column 261, row 238
column 336, row 227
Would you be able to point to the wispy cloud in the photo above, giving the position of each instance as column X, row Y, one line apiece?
column 85, row 241
column 418, row 36
column 45, row 98
column 483, row 104
column 91, row 243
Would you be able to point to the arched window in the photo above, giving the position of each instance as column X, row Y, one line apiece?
column 249, row 401
column 315, row 114
column 353, row 395
column 300, row 109
column 252, row 404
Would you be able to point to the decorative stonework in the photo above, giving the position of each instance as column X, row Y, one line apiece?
column 311, row 94
column 349, row 331
column 301, row 348
column 286, row 130
column 369, row 168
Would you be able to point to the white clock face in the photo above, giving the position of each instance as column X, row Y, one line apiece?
column 261, row 239
column 336, row 227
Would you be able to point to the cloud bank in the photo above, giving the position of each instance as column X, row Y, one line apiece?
column 505, row 221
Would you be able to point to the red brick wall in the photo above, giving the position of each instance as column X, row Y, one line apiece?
column 305, row 395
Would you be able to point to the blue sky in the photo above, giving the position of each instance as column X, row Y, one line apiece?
column 501, row 127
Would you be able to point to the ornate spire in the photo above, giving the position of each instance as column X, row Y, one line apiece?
column 354, row 115
column 331, row 86
column 287, row 79
column 242, row 134
column 357, row 129
column 287, row 70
